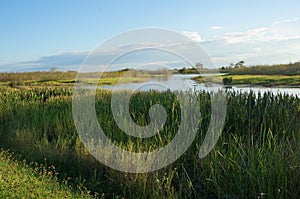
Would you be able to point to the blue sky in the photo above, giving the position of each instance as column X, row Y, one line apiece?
column 38, row 35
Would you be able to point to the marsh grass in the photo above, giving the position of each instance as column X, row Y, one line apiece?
column 18, row 179
column 60, row 78
column 260, row 80
column 256, row 156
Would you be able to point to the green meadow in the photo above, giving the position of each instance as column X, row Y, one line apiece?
column 66, row 79
column 280, row 75
column 255, row 80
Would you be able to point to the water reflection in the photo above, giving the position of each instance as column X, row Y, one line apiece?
column 183, row 82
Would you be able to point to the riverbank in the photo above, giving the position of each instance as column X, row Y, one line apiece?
column 254, row 80
column 69, row 78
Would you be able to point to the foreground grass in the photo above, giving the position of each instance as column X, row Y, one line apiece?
column 256, row 156
column 20, row 180
column 261, row 80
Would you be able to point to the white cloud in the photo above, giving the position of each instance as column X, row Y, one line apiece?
column 277, row 42
column 246, row 36
column 193, row 36
column 283, row 51
column 257, row 49
column 217, row 27
column 285, row 21
column 262, row 34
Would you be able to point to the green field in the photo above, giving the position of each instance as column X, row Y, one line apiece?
column 64, row 79
column 257, row 154
column 265, row 80
column 277, row 69
column 259, row 80
column 287, row 75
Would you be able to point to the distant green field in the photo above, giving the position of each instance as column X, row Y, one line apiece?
column 262, row 80
column 71, row 82
column 68, row 78
column 277, row 69
column 266, row 80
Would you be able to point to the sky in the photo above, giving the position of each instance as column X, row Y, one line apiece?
column 39, row 35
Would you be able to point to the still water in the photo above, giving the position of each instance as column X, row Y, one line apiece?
column 184, row 82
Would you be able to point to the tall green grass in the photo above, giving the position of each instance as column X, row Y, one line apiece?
column 257, row 155
column 18, row 179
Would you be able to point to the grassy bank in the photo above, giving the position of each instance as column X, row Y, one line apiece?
column 278, row 69
column 257, row 154
column 265, row 80
column 21, row 180
column 260, row 80
column 60, row 78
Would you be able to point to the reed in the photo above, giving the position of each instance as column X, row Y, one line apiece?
column 257, row 154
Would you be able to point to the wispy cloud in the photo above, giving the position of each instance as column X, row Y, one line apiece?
column 64, row 61
column 216, row 27
column 193, row 36
column 277, row 42
column 246, row 36
column 286, row 21
column 129, row 56
column 279, row 32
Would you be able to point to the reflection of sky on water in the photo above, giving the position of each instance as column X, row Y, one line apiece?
column 183, row 83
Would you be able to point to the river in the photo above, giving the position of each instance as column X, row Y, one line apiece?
column 184, row 82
